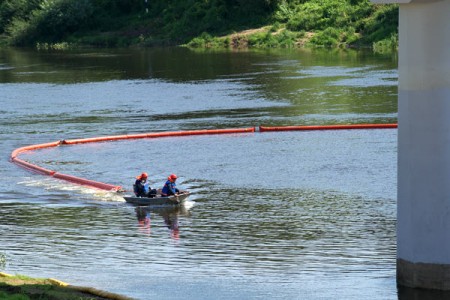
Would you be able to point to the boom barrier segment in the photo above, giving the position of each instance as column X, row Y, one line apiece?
column 100, row 185
column 328, row 127
column 116, row 188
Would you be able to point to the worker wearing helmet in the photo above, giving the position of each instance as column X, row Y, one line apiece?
column 142, row 188
column 170, row 186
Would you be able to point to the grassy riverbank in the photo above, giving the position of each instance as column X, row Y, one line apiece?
column 199, row 23
column 21, row 287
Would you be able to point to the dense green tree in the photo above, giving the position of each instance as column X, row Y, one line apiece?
column 51, row 21
column 118, row 7
column 10, row 9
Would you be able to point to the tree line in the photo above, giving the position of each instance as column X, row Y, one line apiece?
column 332, row 23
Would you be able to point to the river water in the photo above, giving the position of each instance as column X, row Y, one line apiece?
column 282, row 215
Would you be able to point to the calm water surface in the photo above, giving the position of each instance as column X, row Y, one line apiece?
column 287, row 215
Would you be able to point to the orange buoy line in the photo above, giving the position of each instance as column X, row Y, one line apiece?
column 328, row 127
column 74, row 179
column 116, row 188
column 100, row 185
column 156, row 135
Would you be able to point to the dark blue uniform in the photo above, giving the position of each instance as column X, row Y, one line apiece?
column 169, row 188
column 140, row 188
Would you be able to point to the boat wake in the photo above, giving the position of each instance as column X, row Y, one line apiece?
column 74, row 190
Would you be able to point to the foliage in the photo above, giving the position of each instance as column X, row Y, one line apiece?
column 190, row 18
column 119, row 7
column 327, row 38
column 51, row 22
column 332, row 37
column 382, row 24
column 387, row 45
column 56, row 18
column 20, row 9
column 198, row 23
column 5, row 296
column 319, row 15
column 205, row 40
column 269, row 39
column 55, row 46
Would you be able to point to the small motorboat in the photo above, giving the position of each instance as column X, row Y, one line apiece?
column 158, row 199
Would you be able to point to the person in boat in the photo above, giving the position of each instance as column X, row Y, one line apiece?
column 170, row 186
column 142, row 188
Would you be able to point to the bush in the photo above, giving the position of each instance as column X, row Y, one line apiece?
column 349, row 36
column 56, row 46
column 386, row 45
column 58, row 18
column 287, row 39
column 54, row 20
column 329, row 38
column 20, row 32
column 205, row 40
column 319, row 15
column 7, row 296
column 309, row 17
column 284, row 12
column 382, row 24
column 15, row 9
column 283, row 39
column 119, row 7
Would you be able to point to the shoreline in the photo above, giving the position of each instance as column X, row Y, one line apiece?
column 50, row 288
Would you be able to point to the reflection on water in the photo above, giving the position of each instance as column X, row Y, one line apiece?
column 144, row 220
column 269, row 235
column 405, row 293
column 169, row 214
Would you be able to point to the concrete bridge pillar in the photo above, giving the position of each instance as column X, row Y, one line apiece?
column 423, row 210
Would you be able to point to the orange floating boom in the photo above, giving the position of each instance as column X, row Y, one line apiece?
column 157, row 135
column 96, row 184
column 327, row 127
column 115, row 188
